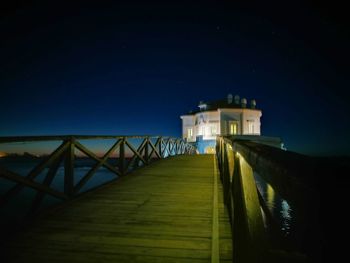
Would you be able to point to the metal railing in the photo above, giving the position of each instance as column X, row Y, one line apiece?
column 254, row 230
column 149, row 149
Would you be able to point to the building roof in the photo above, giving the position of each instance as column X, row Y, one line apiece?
column 229, row 103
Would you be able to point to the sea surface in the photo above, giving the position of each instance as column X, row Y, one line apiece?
column 279, row 208
column 19, row 206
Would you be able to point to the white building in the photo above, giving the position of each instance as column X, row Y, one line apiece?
column 231, row 116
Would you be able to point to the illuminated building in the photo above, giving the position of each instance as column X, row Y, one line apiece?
column 230, row 116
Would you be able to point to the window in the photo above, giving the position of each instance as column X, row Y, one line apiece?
column 189, row 133
column 233, row 128
column 203, row 130
column 251, row 127
column 213, row 130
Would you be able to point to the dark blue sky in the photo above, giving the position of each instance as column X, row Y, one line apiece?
column 131, row 68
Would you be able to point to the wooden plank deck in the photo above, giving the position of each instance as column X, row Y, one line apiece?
column 160, row 213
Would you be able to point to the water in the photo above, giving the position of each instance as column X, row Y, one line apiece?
column 279, row 208
column 17, row 208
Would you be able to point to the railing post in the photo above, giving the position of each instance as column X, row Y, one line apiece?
column 170, row 148
column 161, row 146
column 176, row 147
column 218, row 152
column 222, row 153
column 238, row 224
column 69, row 169
column 122, row 157
column 146, row 156
column 226, row 176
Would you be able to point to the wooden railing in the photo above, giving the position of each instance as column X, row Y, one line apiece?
column 149, row 149
column 254, row 230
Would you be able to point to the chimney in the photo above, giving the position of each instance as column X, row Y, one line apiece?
column 244, row 102
column 229, row 98
column 202, row 106
column 252, row 104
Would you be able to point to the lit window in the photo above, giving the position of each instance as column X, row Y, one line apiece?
column 233, row 128
column 251, row 127
column 189, row 133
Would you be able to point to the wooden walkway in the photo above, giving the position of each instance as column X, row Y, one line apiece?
column 169, row 211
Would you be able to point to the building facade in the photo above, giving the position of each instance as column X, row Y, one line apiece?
column 231, row 116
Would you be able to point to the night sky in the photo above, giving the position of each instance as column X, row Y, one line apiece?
column 134, row 68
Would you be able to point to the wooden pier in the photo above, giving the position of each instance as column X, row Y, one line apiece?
column 169, row 211
column 168, row 204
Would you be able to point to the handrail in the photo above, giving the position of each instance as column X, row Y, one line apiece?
column 146, row 152
column 8, row 139
column 287, row 173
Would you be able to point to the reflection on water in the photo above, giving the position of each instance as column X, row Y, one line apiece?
column 279, row 208
column 285, row 214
